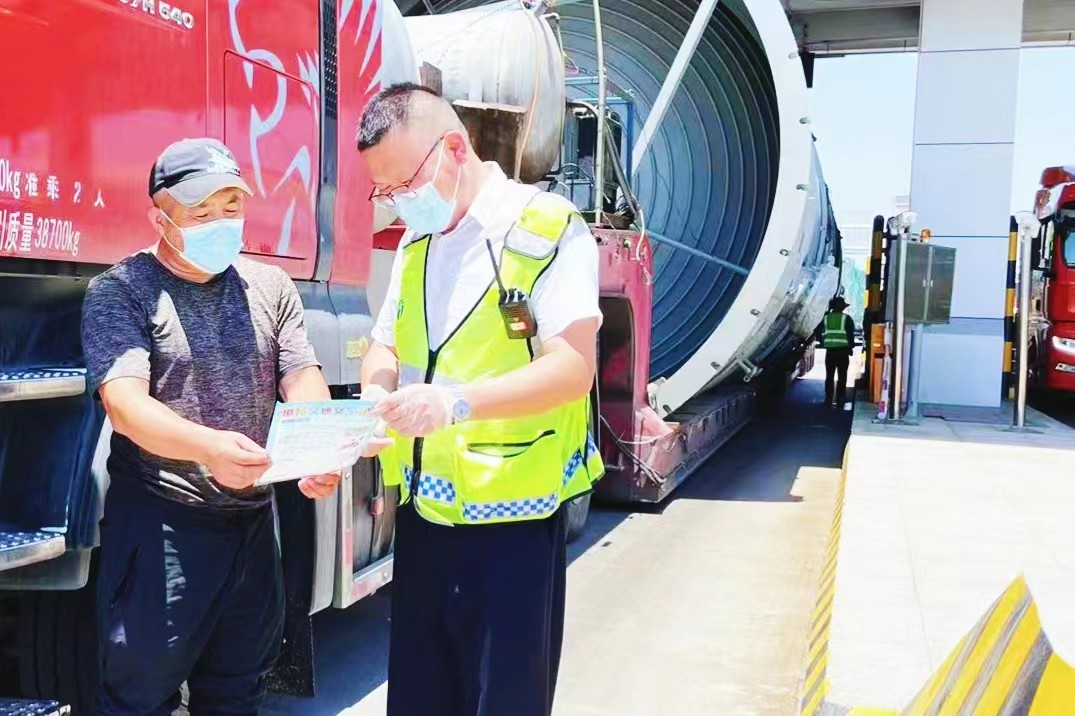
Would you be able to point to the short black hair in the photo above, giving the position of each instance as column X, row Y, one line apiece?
column 389, row 108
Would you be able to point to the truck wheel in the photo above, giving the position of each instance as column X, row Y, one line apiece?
column 578, row 510
column 58, row 649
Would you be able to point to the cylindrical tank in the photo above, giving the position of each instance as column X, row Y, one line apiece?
column 731, row 171
column 503, row 54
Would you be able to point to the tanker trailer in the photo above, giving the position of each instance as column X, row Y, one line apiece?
column 713, row 154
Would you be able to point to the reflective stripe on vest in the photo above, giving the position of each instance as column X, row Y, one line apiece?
column 490, row 470
column 835, row 335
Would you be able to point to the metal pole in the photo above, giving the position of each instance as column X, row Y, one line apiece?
column 901, row 298
column 672, row 81
column 913, row 408
column 662, row 239
column 599, row 158
column 1025, row 228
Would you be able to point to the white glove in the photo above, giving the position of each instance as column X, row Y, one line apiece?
column 373, row 393
column 417, row 410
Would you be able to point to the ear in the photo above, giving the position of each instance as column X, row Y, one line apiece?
column 457, row 146
column 153, row 215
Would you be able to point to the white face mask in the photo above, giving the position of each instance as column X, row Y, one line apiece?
column 424, row 210
column 210, row 247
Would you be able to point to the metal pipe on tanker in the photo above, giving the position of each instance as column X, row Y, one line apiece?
column 599, row 158
column 672, row 81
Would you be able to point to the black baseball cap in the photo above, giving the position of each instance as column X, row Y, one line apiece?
column 192, row 170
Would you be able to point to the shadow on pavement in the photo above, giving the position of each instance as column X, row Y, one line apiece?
column 808, row 435
column 351, row 654
column 351, row 645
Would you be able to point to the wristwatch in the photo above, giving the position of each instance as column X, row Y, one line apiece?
column 460, row 406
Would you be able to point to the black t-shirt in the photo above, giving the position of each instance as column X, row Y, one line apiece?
column 213, row 352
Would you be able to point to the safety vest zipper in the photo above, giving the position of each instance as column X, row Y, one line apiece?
column 417, row 456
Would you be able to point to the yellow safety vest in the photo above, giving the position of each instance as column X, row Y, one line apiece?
column 835, row 335
column 488, row 471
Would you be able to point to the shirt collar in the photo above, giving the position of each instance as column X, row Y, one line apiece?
column 489, row 200
column 485, row 208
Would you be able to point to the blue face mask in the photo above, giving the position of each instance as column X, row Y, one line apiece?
column 213, row 246
column 424, row 210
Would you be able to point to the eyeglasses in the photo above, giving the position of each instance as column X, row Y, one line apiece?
column 388, row 198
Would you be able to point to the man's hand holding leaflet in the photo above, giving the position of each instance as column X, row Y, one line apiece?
column 315, row 438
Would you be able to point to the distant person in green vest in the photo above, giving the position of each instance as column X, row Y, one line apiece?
column 836, row 334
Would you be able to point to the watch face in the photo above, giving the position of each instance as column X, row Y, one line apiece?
column 461, row 410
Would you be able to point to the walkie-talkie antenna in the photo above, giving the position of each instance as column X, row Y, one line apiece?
column 496, row 269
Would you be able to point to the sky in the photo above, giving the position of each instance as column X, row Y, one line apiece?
column 865, row 125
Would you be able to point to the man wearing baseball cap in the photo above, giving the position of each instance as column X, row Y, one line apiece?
column 188, row 346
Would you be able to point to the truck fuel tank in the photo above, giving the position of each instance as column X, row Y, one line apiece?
column 501, row 54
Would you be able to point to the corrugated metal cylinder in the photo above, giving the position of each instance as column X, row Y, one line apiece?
column 727, row 155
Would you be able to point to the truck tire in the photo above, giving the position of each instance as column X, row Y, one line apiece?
column 578, row 510
column 58, row 648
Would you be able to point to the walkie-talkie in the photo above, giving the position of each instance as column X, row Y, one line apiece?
column 514, row 306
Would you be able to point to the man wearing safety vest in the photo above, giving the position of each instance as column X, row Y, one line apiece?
column 482, row 362
column 837, row 336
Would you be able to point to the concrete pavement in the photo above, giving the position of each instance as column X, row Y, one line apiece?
column 699, row 607
column 937, row 521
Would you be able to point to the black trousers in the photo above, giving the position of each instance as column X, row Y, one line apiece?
column 185, row 594
column 477, row 617
column 837, row 361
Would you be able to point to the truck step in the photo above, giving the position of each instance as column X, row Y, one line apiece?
column 41, row 383
column 18, row 707
column 18, row 549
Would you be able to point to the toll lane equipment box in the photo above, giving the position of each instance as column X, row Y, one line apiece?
column 930, row 277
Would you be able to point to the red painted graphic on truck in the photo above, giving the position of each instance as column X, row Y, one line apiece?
column 114, row 81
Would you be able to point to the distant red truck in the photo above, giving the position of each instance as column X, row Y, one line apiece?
column 1051, row 355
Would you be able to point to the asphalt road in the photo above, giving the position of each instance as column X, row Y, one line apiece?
column 699, row 607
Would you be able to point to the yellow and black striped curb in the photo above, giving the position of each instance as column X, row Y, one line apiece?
column 816, row 687
column 1005, row 666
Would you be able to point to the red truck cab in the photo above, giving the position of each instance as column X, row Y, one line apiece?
column 100, row 87
column 1052, row 305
